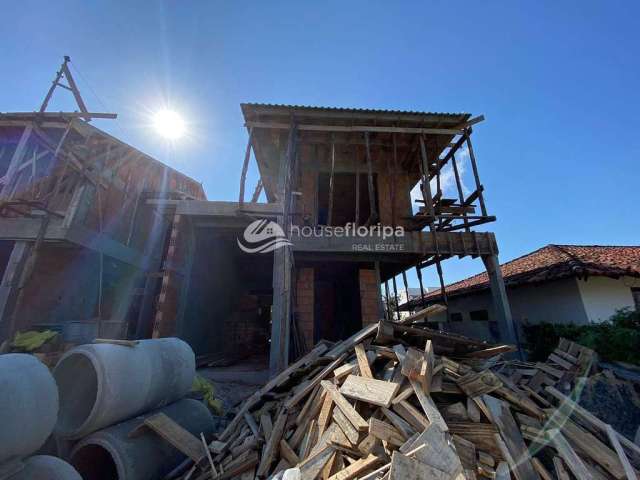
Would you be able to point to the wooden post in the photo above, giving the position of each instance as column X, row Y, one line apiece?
column 257, row 191
column 476, row 176
column 282, row 266
column 333, row 165
column 378, row 293
column 245, row 167
column 15, row 162
column 357, row 220
column 395, row 296
column 386, row 296
column 425, row 186
column 419, row 275
column 501, row 306
column 459, row 188
column 373, row 210
column 10, row 285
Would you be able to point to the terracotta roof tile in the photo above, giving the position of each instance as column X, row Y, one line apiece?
column 553, row 262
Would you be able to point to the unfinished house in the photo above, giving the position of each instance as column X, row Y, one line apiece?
column 271, row 279
column 81, row 243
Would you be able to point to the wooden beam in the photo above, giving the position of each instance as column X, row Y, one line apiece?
column 373, row 209
column 245, row 167
column 333, row 166
column 357, row 128
column 16, row 160
column 501, row 306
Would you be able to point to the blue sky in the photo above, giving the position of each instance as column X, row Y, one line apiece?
column 557, row 81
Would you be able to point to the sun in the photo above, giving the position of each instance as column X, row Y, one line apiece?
column 169, row 124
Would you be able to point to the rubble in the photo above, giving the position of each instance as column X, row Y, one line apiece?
column 400, row 402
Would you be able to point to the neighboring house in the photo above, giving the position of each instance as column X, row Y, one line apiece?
column 407, row 294
column 557, row 283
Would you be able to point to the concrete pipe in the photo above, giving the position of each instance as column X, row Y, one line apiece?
column 111, row 454
column 103, row 384
column 44, row 467
column 28, row 405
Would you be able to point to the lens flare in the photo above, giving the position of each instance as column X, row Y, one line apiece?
column 169, row 124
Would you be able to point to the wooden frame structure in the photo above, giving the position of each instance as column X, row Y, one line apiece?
column 68, row 188
column 416, row 145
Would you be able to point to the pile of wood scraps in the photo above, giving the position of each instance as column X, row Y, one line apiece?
column 400, row 402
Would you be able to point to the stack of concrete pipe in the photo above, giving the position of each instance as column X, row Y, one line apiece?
column 107, row 390
column 28, row 412
column 97, row 395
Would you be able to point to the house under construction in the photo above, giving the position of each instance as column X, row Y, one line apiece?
column 338, row 184
column 99, row 239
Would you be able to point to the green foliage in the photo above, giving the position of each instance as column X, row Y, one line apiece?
column 617, row 339
column 205, row 388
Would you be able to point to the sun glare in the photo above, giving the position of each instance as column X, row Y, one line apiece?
column 169, row 124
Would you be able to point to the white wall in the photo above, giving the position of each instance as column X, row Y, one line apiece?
column 602, row 296
column 558, row 301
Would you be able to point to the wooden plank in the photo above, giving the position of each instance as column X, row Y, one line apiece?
column 352, row 415
column 344, row 370
column 589, row 418
column 615, row 443
column 403, row 395
column 356, row 468
column 405, row 468
column 542, row 471
column 346, row 426
column 363, row 362
column 313, row 383
column 270, row 385
column 273, row 442
column 428, row 366
column 248, row 418
column 478, row 383
column 412, row 364
column 502, row 418
column 560, row 361
column 436, row 451
column 561, row 471
column 176, row 435
column 385, row 432
column 430, row 409
column 287, row 453
column 588, row 444
column 376, row 392
column 411, row 415
column 350, row 342
column 325, row 414
column 265, row 425
column 424, row 313
column 356, row 128
column 402, row 425
column 568, row 454
column 312, row 466
column 466, row 451
column 502, row 472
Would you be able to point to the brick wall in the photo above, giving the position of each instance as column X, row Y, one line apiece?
column 305, row 303
column 164, row 324
column 369, row 296
column 245, row 328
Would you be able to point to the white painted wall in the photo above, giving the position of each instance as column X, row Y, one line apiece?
column 601, row 296
column 558, row 301
column 563, row 301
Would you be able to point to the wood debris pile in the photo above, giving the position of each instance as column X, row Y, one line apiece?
column 407, row 402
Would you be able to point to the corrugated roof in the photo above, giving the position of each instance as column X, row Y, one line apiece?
column 553, row 262
column 349, row 109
